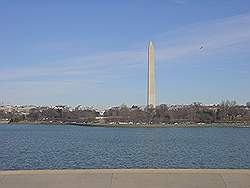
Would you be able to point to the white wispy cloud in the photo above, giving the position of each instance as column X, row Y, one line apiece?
column 179, row 43
column 211, row 35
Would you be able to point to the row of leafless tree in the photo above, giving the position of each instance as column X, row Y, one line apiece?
column 195, row 113
column 227, row 111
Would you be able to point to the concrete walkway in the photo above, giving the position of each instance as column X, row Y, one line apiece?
column 127, row 178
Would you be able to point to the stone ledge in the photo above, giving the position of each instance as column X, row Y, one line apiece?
column 118, row 178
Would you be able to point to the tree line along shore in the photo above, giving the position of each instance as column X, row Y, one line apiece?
column 227, row 113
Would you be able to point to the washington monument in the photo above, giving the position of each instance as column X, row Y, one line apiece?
column 151, row 76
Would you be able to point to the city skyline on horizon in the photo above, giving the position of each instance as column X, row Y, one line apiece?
column 89, row 53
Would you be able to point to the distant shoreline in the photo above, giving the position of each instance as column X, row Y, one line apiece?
column 181, row 125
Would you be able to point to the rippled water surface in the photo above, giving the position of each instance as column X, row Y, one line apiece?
column 60, row 147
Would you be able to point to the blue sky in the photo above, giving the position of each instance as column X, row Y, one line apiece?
column 95, row 52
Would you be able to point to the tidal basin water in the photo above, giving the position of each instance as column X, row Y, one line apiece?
column 72, row 147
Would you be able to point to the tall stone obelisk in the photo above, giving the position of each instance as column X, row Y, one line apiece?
column 151, row 76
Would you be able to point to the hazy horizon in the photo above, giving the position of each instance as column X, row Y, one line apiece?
column 95, row 53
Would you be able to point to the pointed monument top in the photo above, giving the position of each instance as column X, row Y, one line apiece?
column 151, row 43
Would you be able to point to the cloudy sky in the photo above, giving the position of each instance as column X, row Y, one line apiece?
column 95, row 52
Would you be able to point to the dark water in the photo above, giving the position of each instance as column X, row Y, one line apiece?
column 60, row 147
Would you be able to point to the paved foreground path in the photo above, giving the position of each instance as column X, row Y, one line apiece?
column 127, row 178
